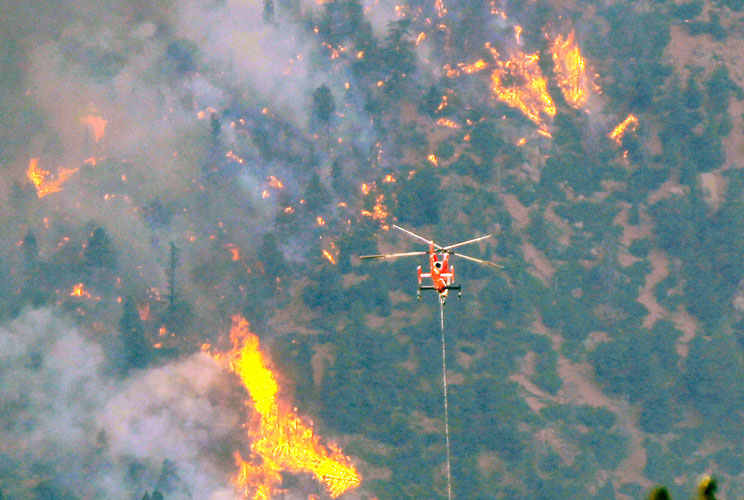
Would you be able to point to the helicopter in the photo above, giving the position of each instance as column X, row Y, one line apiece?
column 441, row 272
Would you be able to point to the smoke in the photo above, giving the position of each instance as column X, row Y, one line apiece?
column 69, row 425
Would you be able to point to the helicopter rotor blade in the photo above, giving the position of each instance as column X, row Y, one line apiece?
column 411, row 233
column 450, row 247
column 392, row 255
column 479, row 261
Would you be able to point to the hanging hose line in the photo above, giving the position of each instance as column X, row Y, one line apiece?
column 446, row 403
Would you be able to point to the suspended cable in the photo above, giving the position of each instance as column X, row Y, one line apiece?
column 446, row 403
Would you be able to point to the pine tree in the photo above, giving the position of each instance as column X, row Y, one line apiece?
column 268, row 11
column 659, row 493
column 323, row 108
column 99, row 251
column 134, row 345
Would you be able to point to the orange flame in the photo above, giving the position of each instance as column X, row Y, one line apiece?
column 275, row 183
column 520, row 84
column 282, row 440
column 570, row 70
column 234, row 157
column 144, row 311
column 79, row 291
column 433, row 159
column 631, row 122
column 328, row 256
column 420, row 38
column 98, row 125
column 320, row 221
column 40, row 178
column 388, row 178
column 234, row 252
column 446, row 122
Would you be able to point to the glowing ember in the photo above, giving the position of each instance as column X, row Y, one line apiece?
column 365, row 189
column 79, row 291
column 320, row 221
column 631, row 122
column 570, row 70
column 420, row 38
column 433, row 159
column 41, row 181
column 288, row 210
column 162, row 331
column 388, row 178
column 446, row 122
column 328, row 256
column 522, row 141
column 234, row 252
column 281, row 440
column 275, row 183
column 144, row 311
column 234, row 157
column 98, row 125
column 265, row 194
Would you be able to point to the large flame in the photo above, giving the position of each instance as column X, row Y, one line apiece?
column 570, row 70
column 631, row 122
column 519, row 83
column 40, row 178
column 282, row 442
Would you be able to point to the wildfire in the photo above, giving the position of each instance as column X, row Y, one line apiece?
column 631, row 122
column 79, row 291
column 446, row 122
column 379, row 211
column 98, row 125
column 320, row 221
column 144, row 311
column 281, row 439
column 234, row 252
column 389, row 178
column 234, row 157
column 420, row 38
column 275, row 183
column 520, row 84
column 41, row 181
column 433, row 159
column 570, row 70
column 330, row 257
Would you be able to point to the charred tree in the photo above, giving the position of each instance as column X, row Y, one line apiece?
column 170, row 273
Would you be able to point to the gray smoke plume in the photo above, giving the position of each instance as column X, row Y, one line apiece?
column 77, row 431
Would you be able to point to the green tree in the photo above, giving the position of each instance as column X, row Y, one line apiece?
column 316, row 195
column 271, row 257
column 99, row 251
column 659, row 493
column 418, row 198
column 323, row 108
column 268, row 11
column 135, row 348
column 707, row 489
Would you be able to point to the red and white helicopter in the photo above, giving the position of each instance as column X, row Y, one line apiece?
column 441, row 272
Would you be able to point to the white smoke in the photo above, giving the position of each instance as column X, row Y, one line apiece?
column 91, row 430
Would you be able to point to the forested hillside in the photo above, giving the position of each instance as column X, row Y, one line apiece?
column 168, row 167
